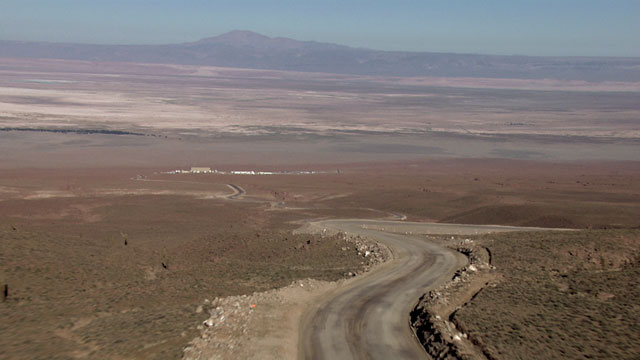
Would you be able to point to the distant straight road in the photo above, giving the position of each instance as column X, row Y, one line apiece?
column 369, row 318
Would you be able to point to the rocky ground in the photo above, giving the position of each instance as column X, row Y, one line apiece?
column 433, row 318
column 564, row 295
column 264, row 325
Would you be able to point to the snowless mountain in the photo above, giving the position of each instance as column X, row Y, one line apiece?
column 245, row 49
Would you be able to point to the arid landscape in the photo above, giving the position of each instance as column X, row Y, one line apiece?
column 106, row 254
column 579, row 303
column 210, row 114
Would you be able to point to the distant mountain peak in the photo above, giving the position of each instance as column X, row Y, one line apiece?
column 237, row 37
column 247, row 49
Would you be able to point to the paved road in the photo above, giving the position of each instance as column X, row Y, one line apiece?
column 369, row 318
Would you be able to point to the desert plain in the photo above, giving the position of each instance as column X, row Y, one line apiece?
column 108, row 254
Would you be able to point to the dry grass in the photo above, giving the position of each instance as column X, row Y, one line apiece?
column 75, row 288
column 71, row 275
column 563, row 296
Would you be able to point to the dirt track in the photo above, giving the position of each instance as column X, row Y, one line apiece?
column 238, row 191
column 368, row 318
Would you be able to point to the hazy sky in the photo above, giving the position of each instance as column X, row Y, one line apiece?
column 531, row 27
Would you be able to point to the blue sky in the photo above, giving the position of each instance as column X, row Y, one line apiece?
column 535, row 27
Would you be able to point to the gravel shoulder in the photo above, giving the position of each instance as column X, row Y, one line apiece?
column 266, row 325
column 368, row 318
column 365, row 316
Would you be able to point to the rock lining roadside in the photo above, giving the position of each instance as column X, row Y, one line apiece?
column 433, row 318
column 265, row 325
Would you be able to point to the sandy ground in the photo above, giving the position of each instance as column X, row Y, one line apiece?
column 267, row 331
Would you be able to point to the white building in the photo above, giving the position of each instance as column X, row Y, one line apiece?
column 200, row 170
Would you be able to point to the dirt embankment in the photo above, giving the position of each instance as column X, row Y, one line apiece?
column 433, row 318
column 568, row 295
column 563, row 295
column 265, row 325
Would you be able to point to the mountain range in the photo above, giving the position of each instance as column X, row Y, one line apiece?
column 245, row 49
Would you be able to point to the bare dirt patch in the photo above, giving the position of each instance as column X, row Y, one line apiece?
column 519, row 193
column 266, row 325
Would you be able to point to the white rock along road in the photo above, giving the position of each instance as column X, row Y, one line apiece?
column 369, row 317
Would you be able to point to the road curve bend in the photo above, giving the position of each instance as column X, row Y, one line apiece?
column 238, row 192
column 369, row 317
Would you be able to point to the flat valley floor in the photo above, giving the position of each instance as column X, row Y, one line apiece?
column 107, row 256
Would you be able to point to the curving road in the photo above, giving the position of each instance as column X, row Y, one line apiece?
column 369, row 317
column 238, row 192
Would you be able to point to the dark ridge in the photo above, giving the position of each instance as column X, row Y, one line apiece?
column 74, row 131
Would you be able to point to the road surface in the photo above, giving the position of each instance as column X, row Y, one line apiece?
column 238, row 191
column 369, row 318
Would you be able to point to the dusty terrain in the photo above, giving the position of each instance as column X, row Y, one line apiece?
column 266, row 325
column 122, row 275
column 559, row 295
column 105, row 256
column 192, row 114
column 70, row 273
column 368, row 317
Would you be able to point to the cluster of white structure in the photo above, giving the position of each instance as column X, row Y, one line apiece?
column 207, row 170
column 194, row 170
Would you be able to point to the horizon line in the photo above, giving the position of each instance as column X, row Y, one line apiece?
column 317, row 42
